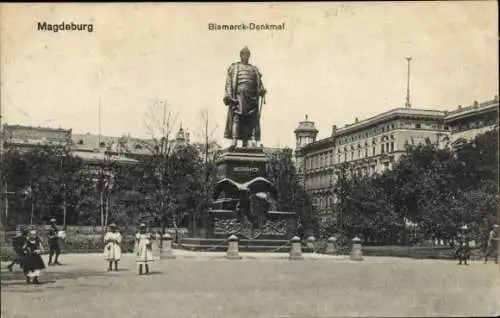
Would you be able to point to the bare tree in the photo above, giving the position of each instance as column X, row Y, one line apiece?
column 207, row 131
column 159, row 122
column 208, row 147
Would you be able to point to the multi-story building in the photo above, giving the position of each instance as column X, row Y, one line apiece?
column 26, row 137
column 92, row 148
column 464, row 123
column 375, row 144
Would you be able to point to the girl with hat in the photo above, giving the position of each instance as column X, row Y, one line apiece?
column 143, row 249
column 112, row 246
column 33, row 262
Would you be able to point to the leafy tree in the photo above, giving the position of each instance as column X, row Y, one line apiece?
column 42, row 181
column 292, row 195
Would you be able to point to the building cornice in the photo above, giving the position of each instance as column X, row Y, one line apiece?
column 464, row 112
column 390, row 115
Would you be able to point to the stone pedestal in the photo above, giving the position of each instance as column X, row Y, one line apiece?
column 167, row 252
column 356, row 253
column 296, row 250
column 311, row 243
column 242, row 164
column 232, row 249
column 331, row 246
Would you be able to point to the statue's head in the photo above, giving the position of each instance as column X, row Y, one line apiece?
column 245, row 55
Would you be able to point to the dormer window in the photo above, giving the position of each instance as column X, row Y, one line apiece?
column 102, row 144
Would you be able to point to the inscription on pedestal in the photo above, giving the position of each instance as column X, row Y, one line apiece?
column 242, row 165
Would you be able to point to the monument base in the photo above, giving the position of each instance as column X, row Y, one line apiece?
column 241, row 164
column 270, row 230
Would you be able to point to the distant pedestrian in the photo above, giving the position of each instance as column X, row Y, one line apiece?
column 300, row 231
column 33, row 262
column 17, row 244
column 463, row 247
column 112, row 248
column 492, row 245
column 144, row 249
column 53, row 240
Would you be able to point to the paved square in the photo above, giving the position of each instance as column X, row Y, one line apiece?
column 207, row 285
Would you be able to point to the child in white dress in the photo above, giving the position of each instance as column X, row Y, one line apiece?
column 112, row 247
column 143, row 249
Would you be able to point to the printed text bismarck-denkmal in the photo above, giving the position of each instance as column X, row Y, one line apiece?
column 64, row 26
column 246, row 26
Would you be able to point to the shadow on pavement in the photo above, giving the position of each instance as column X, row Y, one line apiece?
column 10, row 280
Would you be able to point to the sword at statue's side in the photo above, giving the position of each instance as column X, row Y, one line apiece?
column 262, row 102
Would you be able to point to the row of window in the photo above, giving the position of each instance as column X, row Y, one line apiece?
column 473, row 125
column 328, row 180
column 327, row 158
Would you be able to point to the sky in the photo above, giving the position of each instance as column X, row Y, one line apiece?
column 334, row 61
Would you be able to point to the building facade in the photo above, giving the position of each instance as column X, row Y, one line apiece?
column 464, row 123
column 93, row 149
column 373, row 145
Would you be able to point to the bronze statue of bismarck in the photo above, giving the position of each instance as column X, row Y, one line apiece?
column 244, row 95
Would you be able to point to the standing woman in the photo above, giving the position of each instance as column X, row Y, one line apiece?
column 143, row 249
column 33, row 262
column 112, row 247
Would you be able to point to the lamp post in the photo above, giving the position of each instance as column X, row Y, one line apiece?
column 63, row 191
column 6, row 197
column 106, row 185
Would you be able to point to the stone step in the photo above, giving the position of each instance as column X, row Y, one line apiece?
column 222, row 246
column 250, row 248
column 242, row 242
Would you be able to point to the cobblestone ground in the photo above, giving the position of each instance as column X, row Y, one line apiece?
column 256, row 286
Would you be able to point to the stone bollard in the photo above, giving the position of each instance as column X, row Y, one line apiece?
column 167, row 252
column 311, row 243
column 331, row 246
column 296, row 249
column 232, row 249
column 158, row 245
column 356, row 253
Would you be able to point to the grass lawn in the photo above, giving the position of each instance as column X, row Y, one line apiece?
column 255, row 287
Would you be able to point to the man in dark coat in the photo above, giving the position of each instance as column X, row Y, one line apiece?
column 243, row 91
column 54, row 248
column 17, row 244
column 463, row 248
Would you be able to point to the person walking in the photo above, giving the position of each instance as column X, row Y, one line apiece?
column 54, row 247
column 492, row 245
column 17, row 244
column 33, row 262
column 143, row 249
column 112, row 248
column 463, row 248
